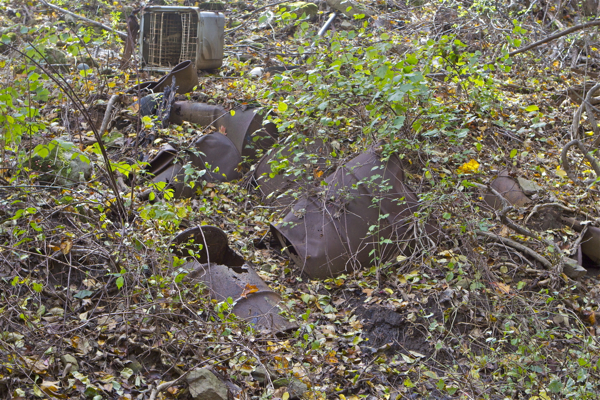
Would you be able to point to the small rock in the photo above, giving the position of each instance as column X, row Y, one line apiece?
column 300, row 7
column 295, row 387
column 560, row 319
column 204, row 385
column 260, row 374
column 346, row 25
column 529, row 187
column 69, row 359
column 83, row 67
column 572, row 269
column 256, row 72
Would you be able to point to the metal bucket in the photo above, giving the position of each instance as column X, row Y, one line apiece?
column 244, row 128
column 281, row 189
column 346, row 226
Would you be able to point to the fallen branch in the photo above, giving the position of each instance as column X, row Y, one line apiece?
column 589, row 156
column 84, row 19
column 586, row 102
column 515, row 245
column 228, row 31
column 555, row 36
column 538, row 207
column 109, row 107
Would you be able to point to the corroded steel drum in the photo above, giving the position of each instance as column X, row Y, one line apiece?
column 365, row 211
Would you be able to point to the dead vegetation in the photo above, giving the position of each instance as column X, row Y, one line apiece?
column 479, row 283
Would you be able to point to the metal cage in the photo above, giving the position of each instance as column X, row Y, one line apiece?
column 170, row 35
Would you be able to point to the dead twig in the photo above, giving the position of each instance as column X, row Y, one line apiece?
column 589, row 156
column 86, row 20
column 228, row 31
column 555, row 36
column 111, row 103
column 539, row 207
column 515, row 245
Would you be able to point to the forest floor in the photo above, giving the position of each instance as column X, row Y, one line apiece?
column 95, row 302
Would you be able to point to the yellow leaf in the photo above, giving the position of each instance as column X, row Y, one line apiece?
column 469, row 167
column 285, row 396
column 561, row 172
column 66, row 245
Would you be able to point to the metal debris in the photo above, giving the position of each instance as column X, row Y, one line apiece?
column 281, row 189
column 185, row 75
column 227, row 275
column 242, row 126
column 510, row 189
column 364, row 212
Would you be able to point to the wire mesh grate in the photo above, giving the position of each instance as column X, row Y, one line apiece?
column 173, row 38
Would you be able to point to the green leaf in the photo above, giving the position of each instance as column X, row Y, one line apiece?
column 82, row 294
column 555, row 386
column 513, row 153
column 38, row 287
column 532, row 107
column 180, row 277
column 447, row 215
column 282, row 107
column 412, row 59
column 120, row 282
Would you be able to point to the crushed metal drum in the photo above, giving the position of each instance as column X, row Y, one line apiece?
column 510, row 189
column 281, row 188
column 227, row 275
column 353, row 220
column 243, row 126
column 214, row 150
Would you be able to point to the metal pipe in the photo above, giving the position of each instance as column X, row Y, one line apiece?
column 324, row 28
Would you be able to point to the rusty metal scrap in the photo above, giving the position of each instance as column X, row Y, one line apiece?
column 243, row 126
column 280, row 188
column 227, row 275
column 186, row 78
column 364, row 211
column 214, row 153
column 510, row 189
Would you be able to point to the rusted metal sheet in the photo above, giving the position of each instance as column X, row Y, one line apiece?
column 215, row 150
column 186, row 77
column 227, row 275
column 243, row 126
column 510, row 189
column 282, row 189
column 209, row 243
column 590, row 244
column 365, row 211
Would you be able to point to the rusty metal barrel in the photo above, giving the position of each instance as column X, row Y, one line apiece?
column 305, row 159
column 214, row 153
column 364, row 212
column 244, row 127
column 226, row 274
